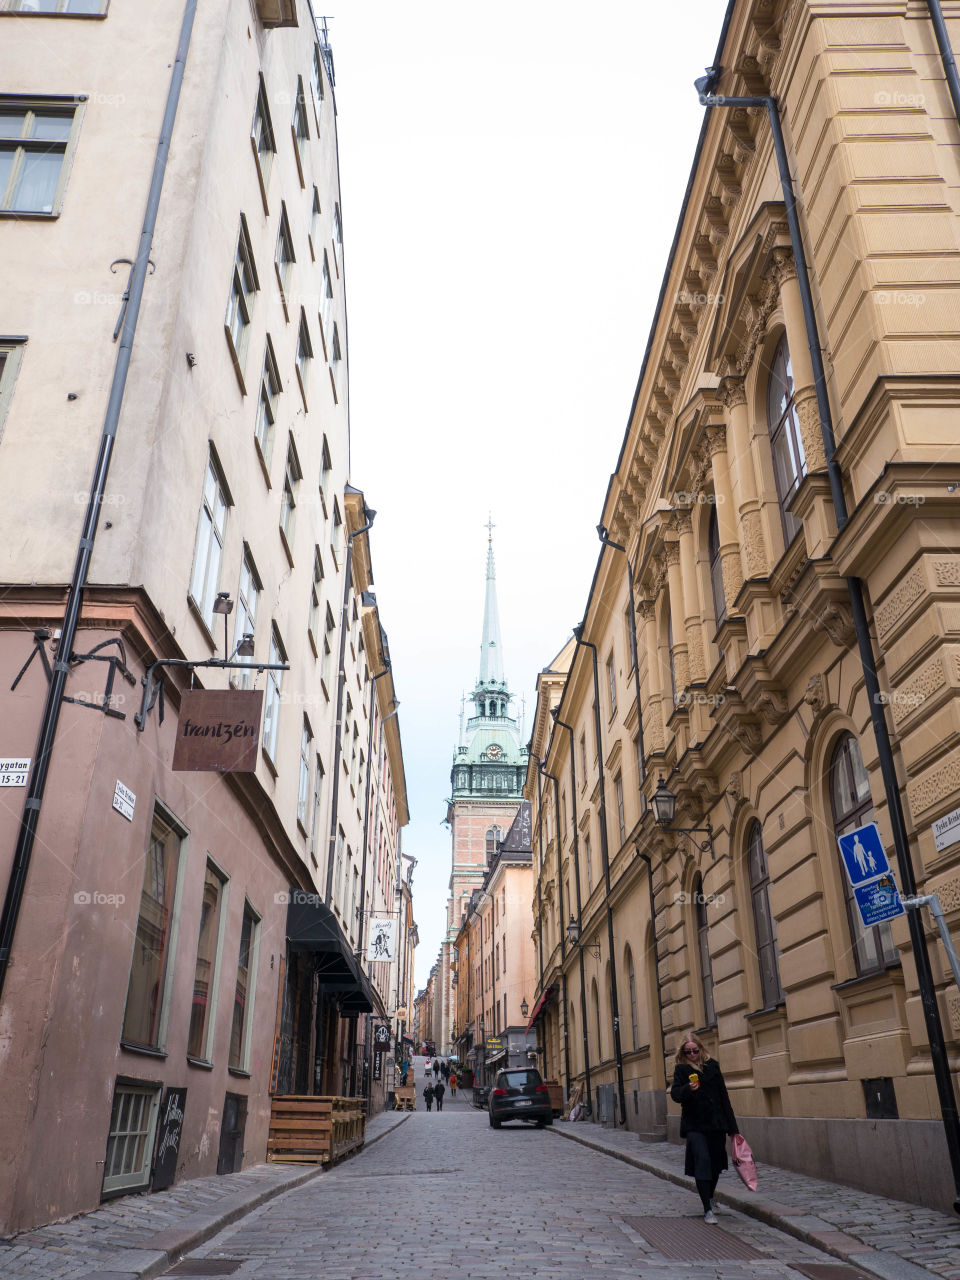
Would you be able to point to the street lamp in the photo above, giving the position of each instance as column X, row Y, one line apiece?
column 664, row 804
column 524, row 1007
column 573, row 937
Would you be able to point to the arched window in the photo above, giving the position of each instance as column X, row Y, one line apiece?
column 632, row 984
column 490, row 841
column 852, row 806
column 763, row 923
column 703, row 952
column 789, row 462
column 716, row 567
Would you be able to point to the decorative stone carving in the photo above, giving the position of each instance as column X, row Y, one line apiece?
column 671, row 553
column 659, row 570
column 698, row 669
column 947, row 572
column 682, row 523
column 716, row 440
column 732, row 391
column 815, row 695
column 731, row 568
column 811, row 434
column 681, row 667
column 949, row 894
column 734, row 787
column 754, row 547
column 781, row 266
column 772, row 705
column 936, row 785
column 653, row 727
column 899, row 600
column 923, row 684
column 837, row 621
column 748, row 735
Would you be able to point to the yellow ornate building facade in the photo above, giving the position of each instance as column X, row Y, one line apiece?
column 773, row 627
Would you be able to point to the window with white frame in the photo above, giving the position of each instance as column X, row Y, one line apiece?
column 621, row 820
column 284, row 256
column 612, row 684
column 789, row 460
column 326, row 475
column 209, row 942
column 303, row 790
column 326, row 663
column 318, row 776
column 243, row 286
column 11, row 353
column 315, row 212
column 337, row 535
column 262, row 137
column 338, row 866
column 304, row 354
column 337, row 238
column 133, row 1124
column 300, row 127
column 66, row 8
column 588, row 856
column 271, row 711
column 326, row 304
column 336, row 362
column 313, row 622
column 270, row 388
column 211, row 530
column 241, row 1025
column 36, row 136
column 288, row 504
column 248, row 597
column 316, row 79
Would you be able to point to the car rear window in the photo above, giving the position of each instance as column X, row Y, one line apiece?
column 517, row 1079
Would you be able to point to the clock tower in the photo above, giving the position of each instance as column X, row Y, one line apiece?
column 486, row 780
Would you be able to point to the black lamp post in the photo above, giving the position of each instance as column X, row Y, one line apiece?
column 664, row 804
column 524, row 1007
column 573, row 937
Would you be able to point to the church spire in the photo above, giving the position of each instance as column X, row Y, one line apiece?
column 491, row 647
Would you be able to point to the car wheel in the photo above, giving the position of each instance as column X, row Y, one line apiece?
column 495, row 1124
column 541, row 1124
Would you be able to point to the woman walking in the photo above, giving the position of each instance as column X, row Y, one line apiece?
column 453, row 1084
column 428, row 1095
column 706, row 1118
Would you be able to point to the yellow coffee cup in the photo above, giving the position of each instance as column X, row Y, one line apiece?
column 694, row 1078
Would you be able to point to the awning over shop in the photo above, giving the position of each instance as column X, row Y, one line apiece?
column 312, row 927
column 541, row 1004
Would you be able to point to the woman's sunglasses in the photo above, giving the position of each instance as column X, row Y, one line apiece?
column 690, row 1053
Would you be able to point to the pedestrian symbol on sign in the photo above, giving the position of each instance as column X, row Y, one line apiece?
column 864, row 856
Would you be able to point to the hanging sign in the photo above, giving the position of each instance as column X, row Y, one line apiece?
column 380, row 944
column 219, row 730
column 378, row 1064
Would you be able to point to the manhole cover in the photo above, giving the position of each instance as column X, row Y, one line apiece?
column 692, row 1240
column 828, row 1271
column 206, row 1267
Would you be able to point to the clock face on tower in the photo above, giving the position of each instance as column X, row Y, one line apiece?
column 494, row 752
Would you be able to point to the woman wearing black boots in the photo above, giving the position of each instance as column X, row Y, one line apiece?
column 706, row 1118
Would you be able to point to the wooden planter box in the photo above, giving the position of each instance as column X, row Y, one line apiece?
column 314, row 1130
column 556, row 1096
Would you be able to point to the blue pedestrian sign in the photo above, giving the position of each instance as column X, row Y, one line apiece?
column 863, row 855
column 878, row 901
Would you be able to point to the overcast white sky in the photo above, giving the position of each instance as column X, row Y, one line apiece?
column 511, row 180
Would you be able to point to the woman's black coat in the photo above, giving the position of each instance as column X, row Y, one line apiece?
column 706, row 1109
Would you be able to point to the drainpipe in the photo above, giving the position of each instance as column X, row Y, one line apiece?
column 605, row 855
column 341, row 682
column 946, row 54
column 576, row 884
column 563, row 932
column 61, row 668
column 656, row 960
column 928, row 994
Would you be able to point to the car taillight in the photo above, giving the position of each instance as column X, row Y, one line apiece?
column 499, row 1093
column 542, row 1088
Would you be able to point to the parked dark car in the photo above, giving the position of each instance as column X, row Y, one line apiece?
column 520, row 1094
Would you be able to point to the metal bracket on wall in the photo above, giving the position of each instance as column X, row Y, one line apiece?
column 126, row 293
column 153, row 687
column 102, row 702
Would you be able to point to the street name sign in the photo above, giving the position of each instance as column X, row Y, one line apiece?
column 13, row 771
column 864, row 856
column 124, row 800
column 946, row 830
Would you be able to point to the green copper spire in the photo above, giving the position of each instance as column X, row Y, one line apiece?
column 491, row 646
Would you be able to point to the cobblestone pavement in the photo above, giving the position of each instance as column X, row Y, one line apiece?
column 445, row 1195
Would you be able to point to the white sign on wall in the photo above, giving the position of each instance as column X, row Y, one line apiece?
column 946, row 830
column 380, row 945
column 124, row 801
column 13, row 771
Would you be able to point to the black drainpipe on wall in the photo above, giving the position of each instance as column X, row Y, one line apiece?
column 61, row 668
column 605, row 855
column 928, row 994
column 946, row 54
column 562, row 930
column 576, row 885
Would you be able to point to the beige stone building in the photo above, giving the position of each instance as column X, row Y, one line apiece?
column 759, row 498
column 178, row 946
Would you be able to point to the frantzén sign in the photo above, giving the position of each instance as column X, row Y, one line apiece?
column 219, row 729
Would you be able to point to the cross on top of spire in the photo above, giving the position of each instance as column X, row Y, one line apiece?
column 489, row 526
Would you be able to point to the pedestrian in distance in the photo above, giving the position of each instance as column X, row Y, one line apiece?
column 439, row 1089
column 706, row 1118
column 428, row 1095
column 436, row 1066
column 453, row 1084
column 445, row 1068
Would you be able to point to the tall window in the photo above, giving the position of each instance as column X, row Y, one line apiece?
column 316, row 79
column 326, row 304
column 242, row 1021
column 336, row 361
column 270, row 387
column 243, row 286
column 202, row 1012
column 630, row 636
column 261, row 135
column 147, row 987
column 789, row 462
column 326, row 659
column 130, row 1143
column 338, row 867
column 490, row 842
column 248, row 596
column 612, row 684
column 303, row 790
column 621, row 819
column 596, row 1017
column 326, row 475
column 284, row 256
column 288, row 504
column 34, row 140
column 11, row 354
column 300, row 127
column 763, row 922
column 588, row 856
column 852, row 806
column 317, row 801
column 337, row 237
column 315, row 214
column 304, row 354
column 703, row 952
column 209, row 551
column 583, row 760
column 716, row 567
column 632, row 987
column 271, row 712
column 313, row 620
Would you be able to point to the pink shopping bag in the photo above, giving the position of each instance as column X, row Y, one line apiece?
column 743, row 1161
